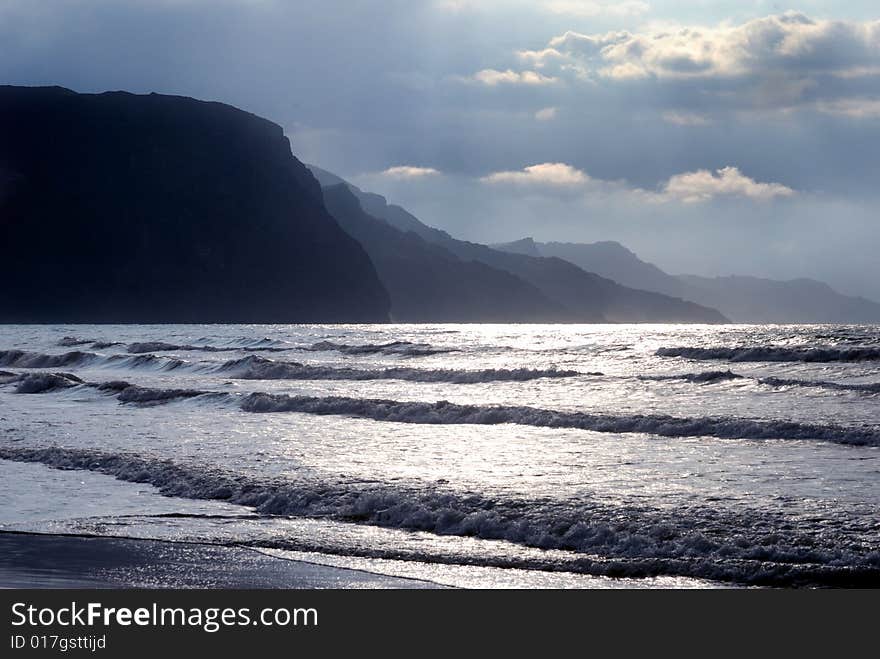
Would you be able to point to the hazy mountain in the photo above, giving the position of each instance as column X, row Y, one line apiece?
column 377, row 206
column 613, row 260
column 587, row 297
column 525, row 246
column 124, row 208
column 427, row 283
column 742, row 299
column 754, row 300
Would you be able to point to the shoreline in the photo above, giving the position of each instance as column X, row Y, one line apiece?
column 50, row 561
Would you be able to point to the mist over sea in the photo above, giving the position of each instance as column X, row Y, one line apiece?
column 468, row 455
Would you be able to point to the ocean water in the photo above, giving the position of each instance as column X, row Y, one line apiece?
column 470, row 455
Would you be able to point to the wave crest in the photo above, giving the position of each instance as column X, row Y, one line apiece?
column 774, row 354
column 260, row 368
column 405, row 348
column 25, row 359
column 705, row 377
column 444, row 412
column 38, row 383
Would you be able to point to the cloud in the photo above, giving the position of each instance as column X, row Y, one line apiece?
column 589, row 8
column 577, row 8
column 686, row 118
column 690, row 187
column 546, row 114
column 790, row 42
column 408, row 172
column 703, row 185
column 853, row 108
column 493, row 77
column 786, row 61
column 548, row 173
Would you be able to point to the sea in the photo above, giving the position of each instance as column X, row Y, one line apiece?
column 480, row 456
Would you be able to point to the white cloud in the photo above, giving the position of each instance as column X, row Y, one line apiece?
column 686, row 118
column 454, row 5
column 493, row 77
column 690, row 187
column 787, row 61
column 547, row 173
column 854, row 108
column 790, row 42
column 577, row 8
column 703, row 185
column 590, row 8
column 546, row 114
column 408, row 172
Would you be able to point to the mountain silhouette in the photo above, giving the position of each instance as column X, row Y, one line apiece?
column 757, row 300
column 584, row 296
column 427, row 283
column 743, row 299
column 118, row 207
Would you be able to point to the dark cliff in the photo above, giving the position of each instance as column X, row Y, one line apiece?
column 127, row 208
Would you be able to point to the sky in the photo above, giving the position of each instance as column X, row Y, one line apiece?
column 710, row 137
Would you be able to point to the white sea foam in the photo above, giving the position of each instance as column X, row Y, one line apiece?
column 635, row 541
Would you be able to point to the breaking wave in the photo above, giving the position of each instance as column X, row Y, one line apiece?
column 709, row 377
column 622, row 540
column 704, row 377
column 869, row 388
column 444, row 412
column 103, row 345
column 148, row 396
column 25, row 359
column 259, row 368
column 71, row 341
column 774, row 354
column 38, row 383
column 405, row 348
column 254, row 367
column 161, row 346
column 146, row 361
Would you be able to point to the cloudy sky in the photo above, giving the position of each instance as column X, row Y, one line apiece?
column 712, row 137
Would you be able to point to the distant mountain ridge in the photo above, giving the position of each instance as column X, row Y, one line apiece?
column 741, row 298
column 427, row 283
column 756, row 300
column 580, row 295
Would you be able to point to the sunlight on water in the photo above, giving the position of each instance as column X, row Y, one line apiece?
column 682, row 452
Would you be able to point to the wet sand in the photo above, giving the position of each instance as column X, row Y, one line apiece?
column 57, row 561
